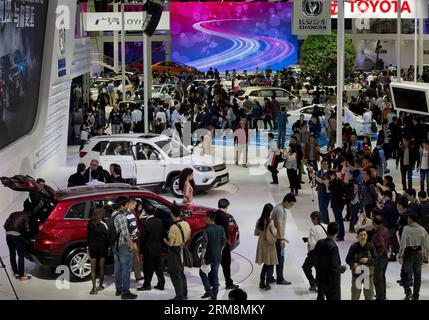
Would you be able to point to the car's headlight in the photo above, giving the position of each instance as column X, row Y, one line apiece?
column 203, row 168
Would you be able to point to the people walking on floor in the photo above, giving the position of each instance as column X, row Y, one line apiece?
column 214, row 240
column 281, row 122
column 279, row 217
column 380, row 241
column 361, row 255
column 17, row 226
column 273, row 153
column 134, row 234
column 98, row 245
column 266, row 253
column 317, row 232
column 122, row 248
column 423, row 165
column 241, row 142
column 178, row 235
column 406, row 161
column 414, row 246
column 322, row 180
column 222, row 219
column 328, row 266
column 336, row 191
column 291, row 165
column 152, row 235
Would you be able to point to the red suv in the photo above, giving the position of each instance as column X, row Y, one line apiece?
column 59, row 225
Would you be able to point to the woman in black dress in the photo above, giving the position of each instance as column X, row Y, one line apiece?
column 98, row 235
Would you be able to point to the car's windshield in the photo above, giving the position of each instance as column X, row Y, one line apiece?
column 173, row 148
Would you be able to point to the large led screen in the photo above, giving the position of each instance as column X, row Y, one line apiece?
column 233, row 35
column 22, row 35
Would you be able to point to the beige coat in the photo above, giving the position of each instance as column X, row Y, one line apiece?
column 266, row 253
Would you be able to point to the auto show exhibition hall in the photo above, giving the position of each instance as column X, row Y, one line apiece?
column 234, row 94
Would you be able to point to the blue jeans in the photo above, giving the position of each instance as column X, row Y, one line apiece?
column 211, row 281
column 412, row 265
column 323, row 206
column 338, row 214
column 279, row 267
column 123, row 267
column 424, row 175
column 116, row 128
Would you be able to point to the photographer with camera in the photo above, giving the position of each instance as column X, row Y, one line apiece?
column 317, row 232
column 322, row 179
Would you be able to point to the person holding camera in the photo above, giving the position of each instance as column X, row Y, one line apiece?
column 321, row 177
column 328, row 266
column 317, row 232
column 361, row 255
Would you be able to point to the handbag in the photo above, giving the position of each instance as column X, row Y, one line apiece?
column 188, row 259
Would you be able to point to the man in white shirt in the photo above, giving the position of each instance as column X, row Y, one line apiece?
column 161, row 115
column 317, row 232
column 423, row 165
column 176, row 121
column 273, row 152
column 367, row 123
column 136, row 115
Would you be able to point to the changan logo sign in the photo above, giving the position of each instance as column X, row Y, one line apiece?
column 382, row 9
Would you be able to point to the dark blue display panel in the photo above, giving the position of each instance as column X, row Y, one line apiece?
column 233, row 35
column 22, row 35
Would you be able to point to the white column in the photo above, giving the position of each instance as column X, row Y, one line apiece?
column 340, row 72
column 123, row 52
column 421, row 45
column 416, row 22
column 398, row 43
column 147, row 69
column 115, row 44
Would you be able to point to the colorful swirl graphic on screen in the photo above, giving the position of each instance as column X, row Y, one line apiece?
column 232, row 35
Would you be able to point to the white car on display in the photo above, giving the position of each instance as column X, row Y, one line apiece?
column 154, row 161
column 260, row 93
column 355, row 121
column 96, row 86
column 162, row 91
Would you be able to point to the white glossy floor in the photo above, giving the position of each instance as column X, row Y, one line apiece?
column 247, row 194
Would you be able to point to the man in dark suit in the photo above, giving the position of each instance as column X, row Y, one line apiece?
column 328, row 266
column 92, row 167
column 222, row 219
column 151, row 247
column 77, row 179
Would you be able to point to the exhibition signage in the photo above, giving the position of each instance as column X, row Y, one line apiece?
column 311, row 17
column 111, row 21
column 382, row 9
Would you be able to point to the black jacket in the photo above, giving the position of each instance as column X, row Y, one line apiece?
column 18, row 222
column 76, row 180
column 336, row 188
column 413, row 156
column 222, row 220
column 327, row 261
column 152, row 236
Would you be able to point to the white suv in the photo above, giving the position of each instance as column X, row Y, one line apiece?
column 160, row 166
column 260, row 93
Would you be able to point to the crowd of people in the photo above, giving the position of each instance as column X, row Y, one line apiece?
column 352, row 179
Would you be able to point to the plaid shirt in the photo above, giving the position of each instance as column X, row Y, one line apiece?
column 132, row 225
column 121, row 225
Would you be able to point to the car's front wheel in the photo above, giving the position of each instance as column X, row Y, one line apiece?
column 197, row 250
column 79, row 264
column 174, row 187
